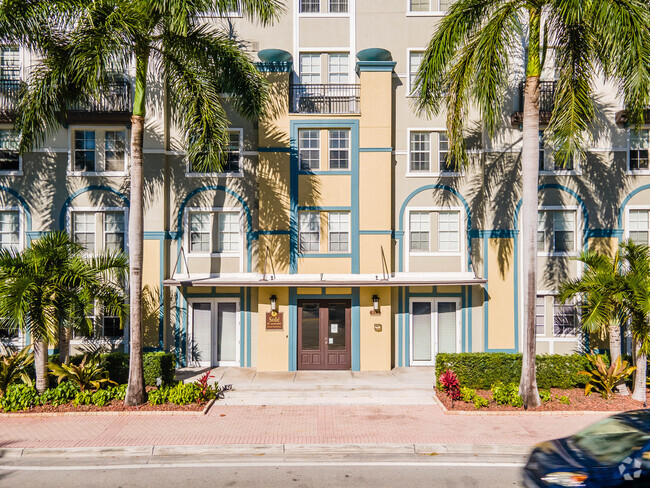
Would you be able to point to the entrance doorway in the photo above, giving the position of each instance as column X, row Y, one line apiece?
column 324, row 334
column 435, row 328
column 214, row 332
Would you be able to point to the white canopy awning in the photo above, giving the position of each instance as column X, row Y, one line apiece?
column 326, row 280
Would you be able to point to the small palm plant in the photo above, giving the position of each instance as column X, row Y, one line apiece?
column 603, row 378
column 89, row 375
column 13, row 369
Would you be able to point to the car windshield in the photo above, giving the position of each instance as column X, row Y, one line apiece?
column 610, row 441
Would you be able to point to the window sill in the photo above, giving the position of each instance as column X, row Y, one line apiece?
column 571, row 254
column 17, row 172
column 561, row 173
column 238, row 174
column 445, row 174
column 97, row 173
column 435, row 253
column 332, row 172
column 637, row 172
column 429, row 13
column 325, row 255
column 323, row 14
column 213, row 254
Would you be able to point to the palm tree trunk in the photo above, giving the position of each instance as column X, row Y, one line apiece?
column 640, row 375
column 615, row 351
column 64, row 343
column 40, row 364
column 529, row 168
column 135, row 394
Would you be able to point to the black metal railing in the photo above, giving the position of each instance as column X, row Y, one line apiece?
column 546, row 102
column 115, row 98
column 324, row 99
column 9, row 92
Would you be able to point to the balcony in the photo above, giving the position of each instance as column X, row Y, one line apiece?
column 324, row 99
column 9, row 92
column 114, row 105
column 546, row 103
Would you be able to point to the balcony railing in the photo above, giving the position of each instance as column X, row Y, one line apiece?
column 546, row 102
column 9, row 92
column 324, row 99
column 114, row 104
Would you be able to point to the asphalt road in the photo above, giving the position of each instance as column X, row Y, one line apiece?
column 395, row 471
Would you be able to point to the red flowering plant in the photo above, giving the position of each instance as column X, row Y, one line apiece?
column 207, row 392
column 449, row 383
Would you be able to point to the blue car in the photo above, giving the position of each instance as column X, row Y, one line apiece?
column 612, row 452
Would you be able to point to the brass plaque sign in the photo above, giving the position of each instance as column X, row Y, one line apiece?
column 274, row 321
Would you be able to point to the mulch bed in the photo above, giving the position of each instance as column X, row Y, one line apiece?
column 593, row 402
column 115, row 406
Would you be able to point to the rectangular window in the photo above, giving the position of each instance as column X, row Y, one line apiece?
column 339, row 6
column 200, row 230
column 111, row 326
column 114, row 150
column 430, row 5
column 339, row 231
column 448, row 231
column 419, row 231
column 639, row 149
column 339, row 140
column 564, row 228
column 9, row 230
column 338, row 68
column 9, row 159
column 420, row 151
column 83, row 229
column 228, row 232
column 539, row 315
column 9, row 63
column 233, row 154
column 309, row 149
column 419, row 5
column 309, row 231
column 310, row 68
column 446, row 163
column 114, row 231
column 84, row 150
column 309, row 6
column 415, row 59
column 557, row 166
column 638, row 226
column 542, row 151
column 564, row 319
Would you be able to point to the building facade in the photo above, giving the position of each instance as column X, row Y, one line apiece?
column 338, row 235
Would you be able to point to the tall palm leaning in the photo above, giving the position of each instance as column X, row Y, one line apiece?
column 53, row 279
column 604, row 292
column 197, row 62
column 469, row 59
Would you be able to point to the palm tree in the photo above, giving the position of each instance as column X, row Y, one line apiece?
column 604, row 290
column 197, row 61
column 469, row 59
column 51, row 285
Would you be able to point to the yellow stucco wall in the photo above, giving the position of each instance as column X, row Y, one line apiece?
column 370, row 260
column 605, row 245
column 151, row 294
column 375, row 346
column 324, row 265
column 272, row 345
column 501, row 297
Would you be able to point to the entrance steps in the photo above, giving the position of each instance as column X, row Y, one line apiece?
column 401, row 386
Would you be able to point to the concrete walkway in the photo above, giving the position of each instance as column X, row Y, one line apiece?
column 401, row 386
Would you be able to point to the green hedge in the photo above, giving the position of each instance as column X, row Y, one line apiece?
column 481, row 370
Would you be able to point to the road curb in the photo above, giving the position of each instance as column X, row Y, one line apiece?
column 271, row 450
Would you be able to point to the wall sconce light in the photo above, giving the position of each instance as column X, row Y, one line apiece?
column 274, row 303
column 375, row 305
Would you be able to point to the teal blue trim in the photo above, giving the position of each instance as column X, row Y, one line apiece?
column 35, row 234
column 273, row 232
column 374, row 54
column 66, row 204
column 295, row 126
column 23, row 203
column 470, row 325
column 486, row 295
column 493, row 234
column 625, row 202
column 356, row 331
column 325, row 172
column 213, row 295
column 184, row 318
column 275, row 67
column 248, row 327
column 323, row 290
column 242, row 327
column 324, row 295
column 250, row 235
column 376, row 66
column 274, row 56
column 324, row 209
column 376, row 149
column 293, row 330
column 464, row 322
column 400, row 328
column 434, row 187
column 434, row 294
column 152, row 235
column 324, row 255
column 407, row 326
column 594, row 233
column 376, row 232
column 274, row 149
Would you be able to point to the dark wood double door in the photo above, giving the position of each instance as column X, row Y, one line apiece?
column 324, row 334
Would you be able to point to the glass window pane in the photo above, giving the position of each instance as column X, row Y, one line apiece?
column 338, row 67
column 415, row 60
column 447, row 327
column 226, row 332
column 422, row 345
column 228, row 232
column 336, row 326
column 200, row 230
column 310, row 327
column 639, row 145
column 115, row 150
column 539, row 315
column 339, row 140
column 9, row 230
column 310, row 6
column 83, row 229
column 420, row 151
column 448, row 231
column 309, row 231
column 10, row 63
column 9, row 158
column 114, row 230
column 310, row 67
column 339, row 6
column 84, row 150
column 419, row 231
column 563, row 231
column 339, row 231
column 309, row 149
column 564, row 318
column 419, row 5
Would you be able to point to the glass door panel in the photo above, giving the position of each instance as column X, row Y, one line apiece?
column 336, row 327
column 201, row 346
column 447, row 327
column 310, row 327
column 226, row 339
column 422, row 331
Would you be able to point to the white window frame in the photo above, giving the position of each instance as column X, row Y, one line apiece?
column 409, row 85
column 213, row 322
column 311, row 54
column 461, row 236
column 348, row 132
column 543, row 297
column 19, row 341
column 234, row 174
column 324, row 10
column 419, row 251
column 626, row 226
column 319, row 149
column 12, row 172
column 575, row 334
column 344, row 231
column 628, row 170
column 212, row 211
column 21, row 224
column 434, row 327
column 425, row 13
column 22, row 59
column 551, row 338
column 99, row 161
column 432, row 172
column 332, row 55
column 325, row 52
column 96, row 318
column 99, row 243
column 578, row 230
column 320, row 231
column 549, row 153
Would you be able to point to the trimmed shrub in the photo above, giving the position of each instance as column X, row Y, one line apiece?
column 481, row 370
column 159, row 365
column 117, row 366
column 19, row 397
